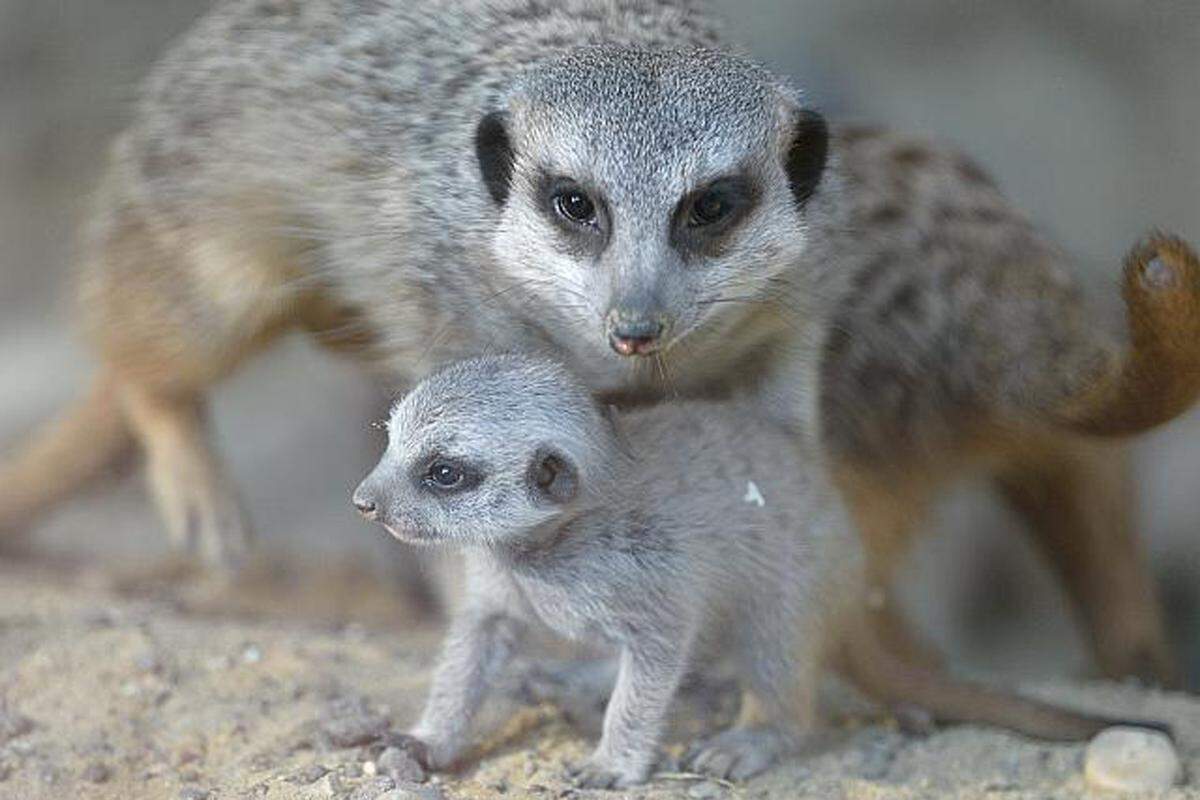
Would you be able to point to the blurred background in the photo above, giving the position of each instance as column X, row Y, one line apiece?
column 1087, row 111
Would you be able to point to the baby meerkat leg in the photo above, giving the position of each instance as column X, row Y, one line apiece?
column 477, row 649
column 1077, row 499
column 649, row 674
column 778, row 706
column 478, row 646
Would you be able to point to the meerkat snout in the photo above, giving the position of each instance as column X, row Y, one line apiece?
column 364, row 500
column 635, row 333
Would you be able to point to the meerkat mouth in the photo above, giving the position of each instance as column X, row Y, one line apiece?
column 412, row 535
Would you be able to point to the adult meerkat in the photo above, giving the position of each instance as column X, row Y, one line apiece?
column 415, row 181
column 663, row 532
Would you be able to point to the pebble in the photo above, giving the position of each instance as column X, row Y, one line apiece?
column 350, row 722
column 96, row 772
column 706, row 791
column 192, row 793
column 251, row 654
column 1129, row 759
column 401, row 765
column 310, row 774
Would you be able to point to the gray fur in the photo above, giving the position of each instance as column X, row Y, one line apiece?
column 359, row 156
column 663, row 551
column 285, row 152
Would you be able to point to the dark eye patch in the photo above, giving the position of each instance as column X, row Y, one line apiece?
column 578, row 211
column 704, row 216
column 446, row 475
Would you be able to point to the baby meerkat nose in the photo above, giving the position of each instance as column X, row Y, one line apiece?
column 365, row 504
column 634, row 337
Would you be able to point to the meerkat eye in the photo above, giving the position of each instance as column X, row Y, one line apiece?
column 576, row 206
column 546, row 473
column 444, row 475
column 709, row 208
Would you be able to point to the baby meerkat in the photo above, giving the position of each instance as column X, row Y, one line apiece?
column 666, row 532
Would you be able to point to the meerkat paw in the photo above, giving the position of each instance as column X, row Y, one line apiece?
column 203, row 513
column 210, row 525
column 433, row 751
column 598, row 772
column 738, row 753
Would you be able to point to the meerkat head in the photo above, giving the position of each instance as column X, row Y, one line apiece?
column 486, row 451
column 645, row 196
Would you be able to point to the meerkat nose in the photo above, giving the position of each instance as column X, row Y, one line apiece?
column 635, row 338
column 365, row 505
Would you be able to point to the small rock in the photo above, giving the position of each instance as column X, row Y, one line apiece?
column 192, row 793
column 401, row 765
column 706, row 791
column 332, row 785
column 310, row 774
column 370, row 769
column 96, row 772
column 350, row 722
column 1129, row 759
column 251, row 654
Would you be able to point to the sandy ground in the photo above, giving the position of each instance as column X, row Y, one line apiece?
column 188, row 689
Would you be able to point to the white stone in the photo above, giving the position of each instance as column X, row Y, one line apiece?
column 1128, row 759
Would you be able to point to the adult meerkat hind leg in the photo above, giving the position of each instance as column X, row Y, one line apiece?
column 1077, row 498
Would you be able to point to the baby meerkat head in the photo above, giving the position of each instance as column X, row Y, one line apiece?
column 485, row 451
column 649, row 196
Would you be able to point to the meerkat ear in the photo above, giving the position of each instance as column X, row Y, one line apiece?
column 552, row 477
column 807, row 155
column 494, row 151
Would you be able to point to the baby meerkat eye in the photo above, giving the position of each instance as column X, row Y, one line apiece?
column 444, row 475
column 576, row 206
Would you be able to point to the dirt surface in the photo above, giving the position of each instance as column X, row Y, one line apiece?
column 178, row 687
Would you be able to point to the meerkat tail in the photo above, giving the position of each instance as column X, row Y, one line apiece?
column 64, row 456
column 1158, row 376
column 898, row 684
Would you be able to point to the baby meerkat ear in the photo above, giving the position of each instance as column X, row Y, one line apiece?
column 552, row 477
column 807, row 155
column 494, row 151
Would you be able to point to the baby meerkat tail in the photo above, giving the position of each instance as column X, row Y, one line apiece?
column 1158, row 375
column 64, row 456
column 898, row 685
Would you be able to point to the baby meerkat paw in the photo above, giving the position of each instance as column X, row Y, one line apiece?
column 432, row 752
column 600, row 773
column 738, row 753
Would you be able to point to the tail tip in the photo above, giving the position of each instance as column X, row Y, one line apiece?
column 1163, row 264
